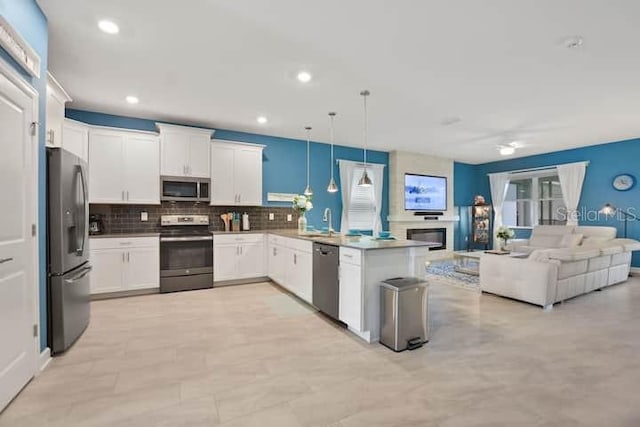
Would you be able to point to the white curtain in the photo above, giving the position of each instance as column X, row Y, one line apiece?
column 376, row 172
column 347, row 170
column 499, row 186
column 571, row 179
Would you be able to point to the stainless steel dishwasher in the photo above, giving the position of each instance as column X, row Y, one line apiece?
column 325, row 278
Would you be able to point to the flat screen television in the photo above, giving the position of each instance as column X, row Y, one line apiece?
column 425, row 193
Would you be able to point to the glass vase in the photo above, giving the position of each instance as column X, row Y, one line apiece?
column 302, row 223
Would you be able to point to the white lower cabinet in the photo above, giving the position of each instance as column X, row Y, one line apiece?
column 124, row 264
column 350, row 300
column 291, row 265
column 237, row 256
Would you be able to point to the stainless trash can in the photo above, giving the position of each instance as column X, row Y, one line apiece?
column 404, row 313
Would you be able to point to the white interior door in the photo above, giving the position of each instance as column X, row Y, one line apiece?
column 18, row 281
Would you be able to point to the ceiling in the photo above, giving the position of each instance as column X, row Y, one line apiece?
column 499, row 66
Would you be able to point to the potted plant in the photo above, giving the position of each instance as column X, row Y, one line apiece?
column 302, row 204
column 504, row 234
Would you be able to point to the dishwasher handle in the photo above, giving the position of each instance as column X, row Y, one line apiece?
column 321, row 252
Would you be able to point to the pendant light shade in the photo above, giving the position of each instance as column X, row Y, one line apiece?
column 332, row 187
column 365, row 181
column 308, row 191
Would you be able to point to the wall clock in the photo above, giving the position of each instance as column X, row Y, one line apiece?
column 624, row 182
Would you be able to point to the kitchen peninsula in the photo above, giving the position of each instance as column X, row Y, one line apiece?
column 363, row 263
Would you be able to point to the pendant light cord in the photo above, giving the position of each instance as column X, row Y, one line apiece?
column 332, row 116
column 364, row 94
column 308, row 129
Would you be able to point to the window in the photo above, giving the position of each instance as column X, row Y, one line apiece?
column 534, row 200
column 362, row 206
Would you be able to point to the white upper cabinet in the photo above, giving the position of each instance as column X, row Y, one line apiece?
column 123, row 167
column 184, row 151
column 56, row 100
column 76, row 138
column 236, row 173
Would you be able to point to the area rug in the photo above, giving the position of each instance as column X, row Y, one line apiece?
column 443, row 272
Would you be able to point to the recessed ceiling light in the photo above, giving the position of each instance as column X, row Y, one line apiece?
column 506, row 150
column 262, row 120
column 573, row 42
column 132, row 99
column 304, row 76
column 108, row 27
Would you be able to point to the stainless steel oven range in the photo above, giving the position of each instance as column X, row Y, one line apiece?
column 186, row 253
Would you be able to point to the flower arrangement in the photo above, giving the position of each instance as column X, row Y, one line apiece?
column 504, row 234
column 302, row 203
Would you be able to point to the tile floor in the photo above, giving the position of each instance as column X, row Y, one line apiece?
column 253, row 356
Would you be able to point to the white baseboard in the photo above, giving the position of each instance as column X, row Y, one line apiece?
column 45, row 358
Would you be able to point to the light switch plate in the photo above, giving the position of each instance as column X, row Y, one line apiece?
column 289, row 217
column 271, row 216
column 144, row 216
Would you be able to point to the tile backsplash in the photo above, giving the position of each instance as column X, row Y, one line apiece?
column 126, row 218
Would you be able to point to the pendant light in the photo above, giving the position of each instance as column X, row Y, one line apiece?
column 365, row 181
column 332, row 188
column 307, row 190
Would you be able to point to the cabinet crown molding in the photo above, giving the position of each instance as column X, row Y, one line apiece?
column 236, row 143
column 165, row 127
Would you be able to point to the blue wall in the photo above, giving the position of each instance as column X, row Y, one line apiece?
column 606, row 161
column 284, row 163
column 28, row 20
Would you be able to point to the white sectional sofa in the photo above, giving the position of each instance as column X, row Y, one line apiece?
column 563, row 262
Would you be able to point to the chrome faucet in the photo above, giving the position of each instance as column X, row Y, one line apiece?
column 327, row 218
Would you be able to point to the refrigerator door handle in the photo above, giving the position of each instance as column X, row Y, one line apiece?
column 80, row 275
column 83, row 229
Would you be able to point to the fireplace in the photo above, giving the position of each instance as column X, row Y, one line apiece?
column 431, row 235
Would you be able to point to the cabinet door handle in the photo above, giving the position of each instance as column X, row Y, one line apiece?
column 295, row 259
column 3, row 260
column 127, row 195
column 123, row 257
column 240, row 250
column 128, row 256
column 123, row 195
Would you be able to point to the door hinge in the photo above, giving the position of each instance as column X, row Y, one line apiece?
column 35, row 330
column 34, row 126
column 34, row 229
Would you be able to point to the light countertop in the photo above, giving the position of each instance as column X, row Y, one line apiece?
column 356, row 242
column 123, row 235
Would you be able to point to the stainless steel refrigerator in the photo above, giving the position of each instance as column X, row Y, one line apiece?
column 67, row 249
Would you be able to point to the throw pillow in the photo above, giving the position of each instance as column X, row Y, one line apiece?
column 571, row 240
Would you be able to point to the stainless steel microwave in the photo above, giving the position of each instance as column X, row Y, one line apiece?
column 183, row 189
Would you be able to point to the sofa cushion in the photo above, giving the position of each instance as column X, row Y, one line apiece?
column 606, row 233
column 610, row 248
column 570, row 240
column 628, row 245
column 545, row 240
column 572, row 268
column 594, row 241
column 527, row 249
column 552, row 230
column 574, row 254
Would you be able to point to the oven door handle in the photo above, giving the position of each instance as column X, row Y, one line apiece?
column 185, row 239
